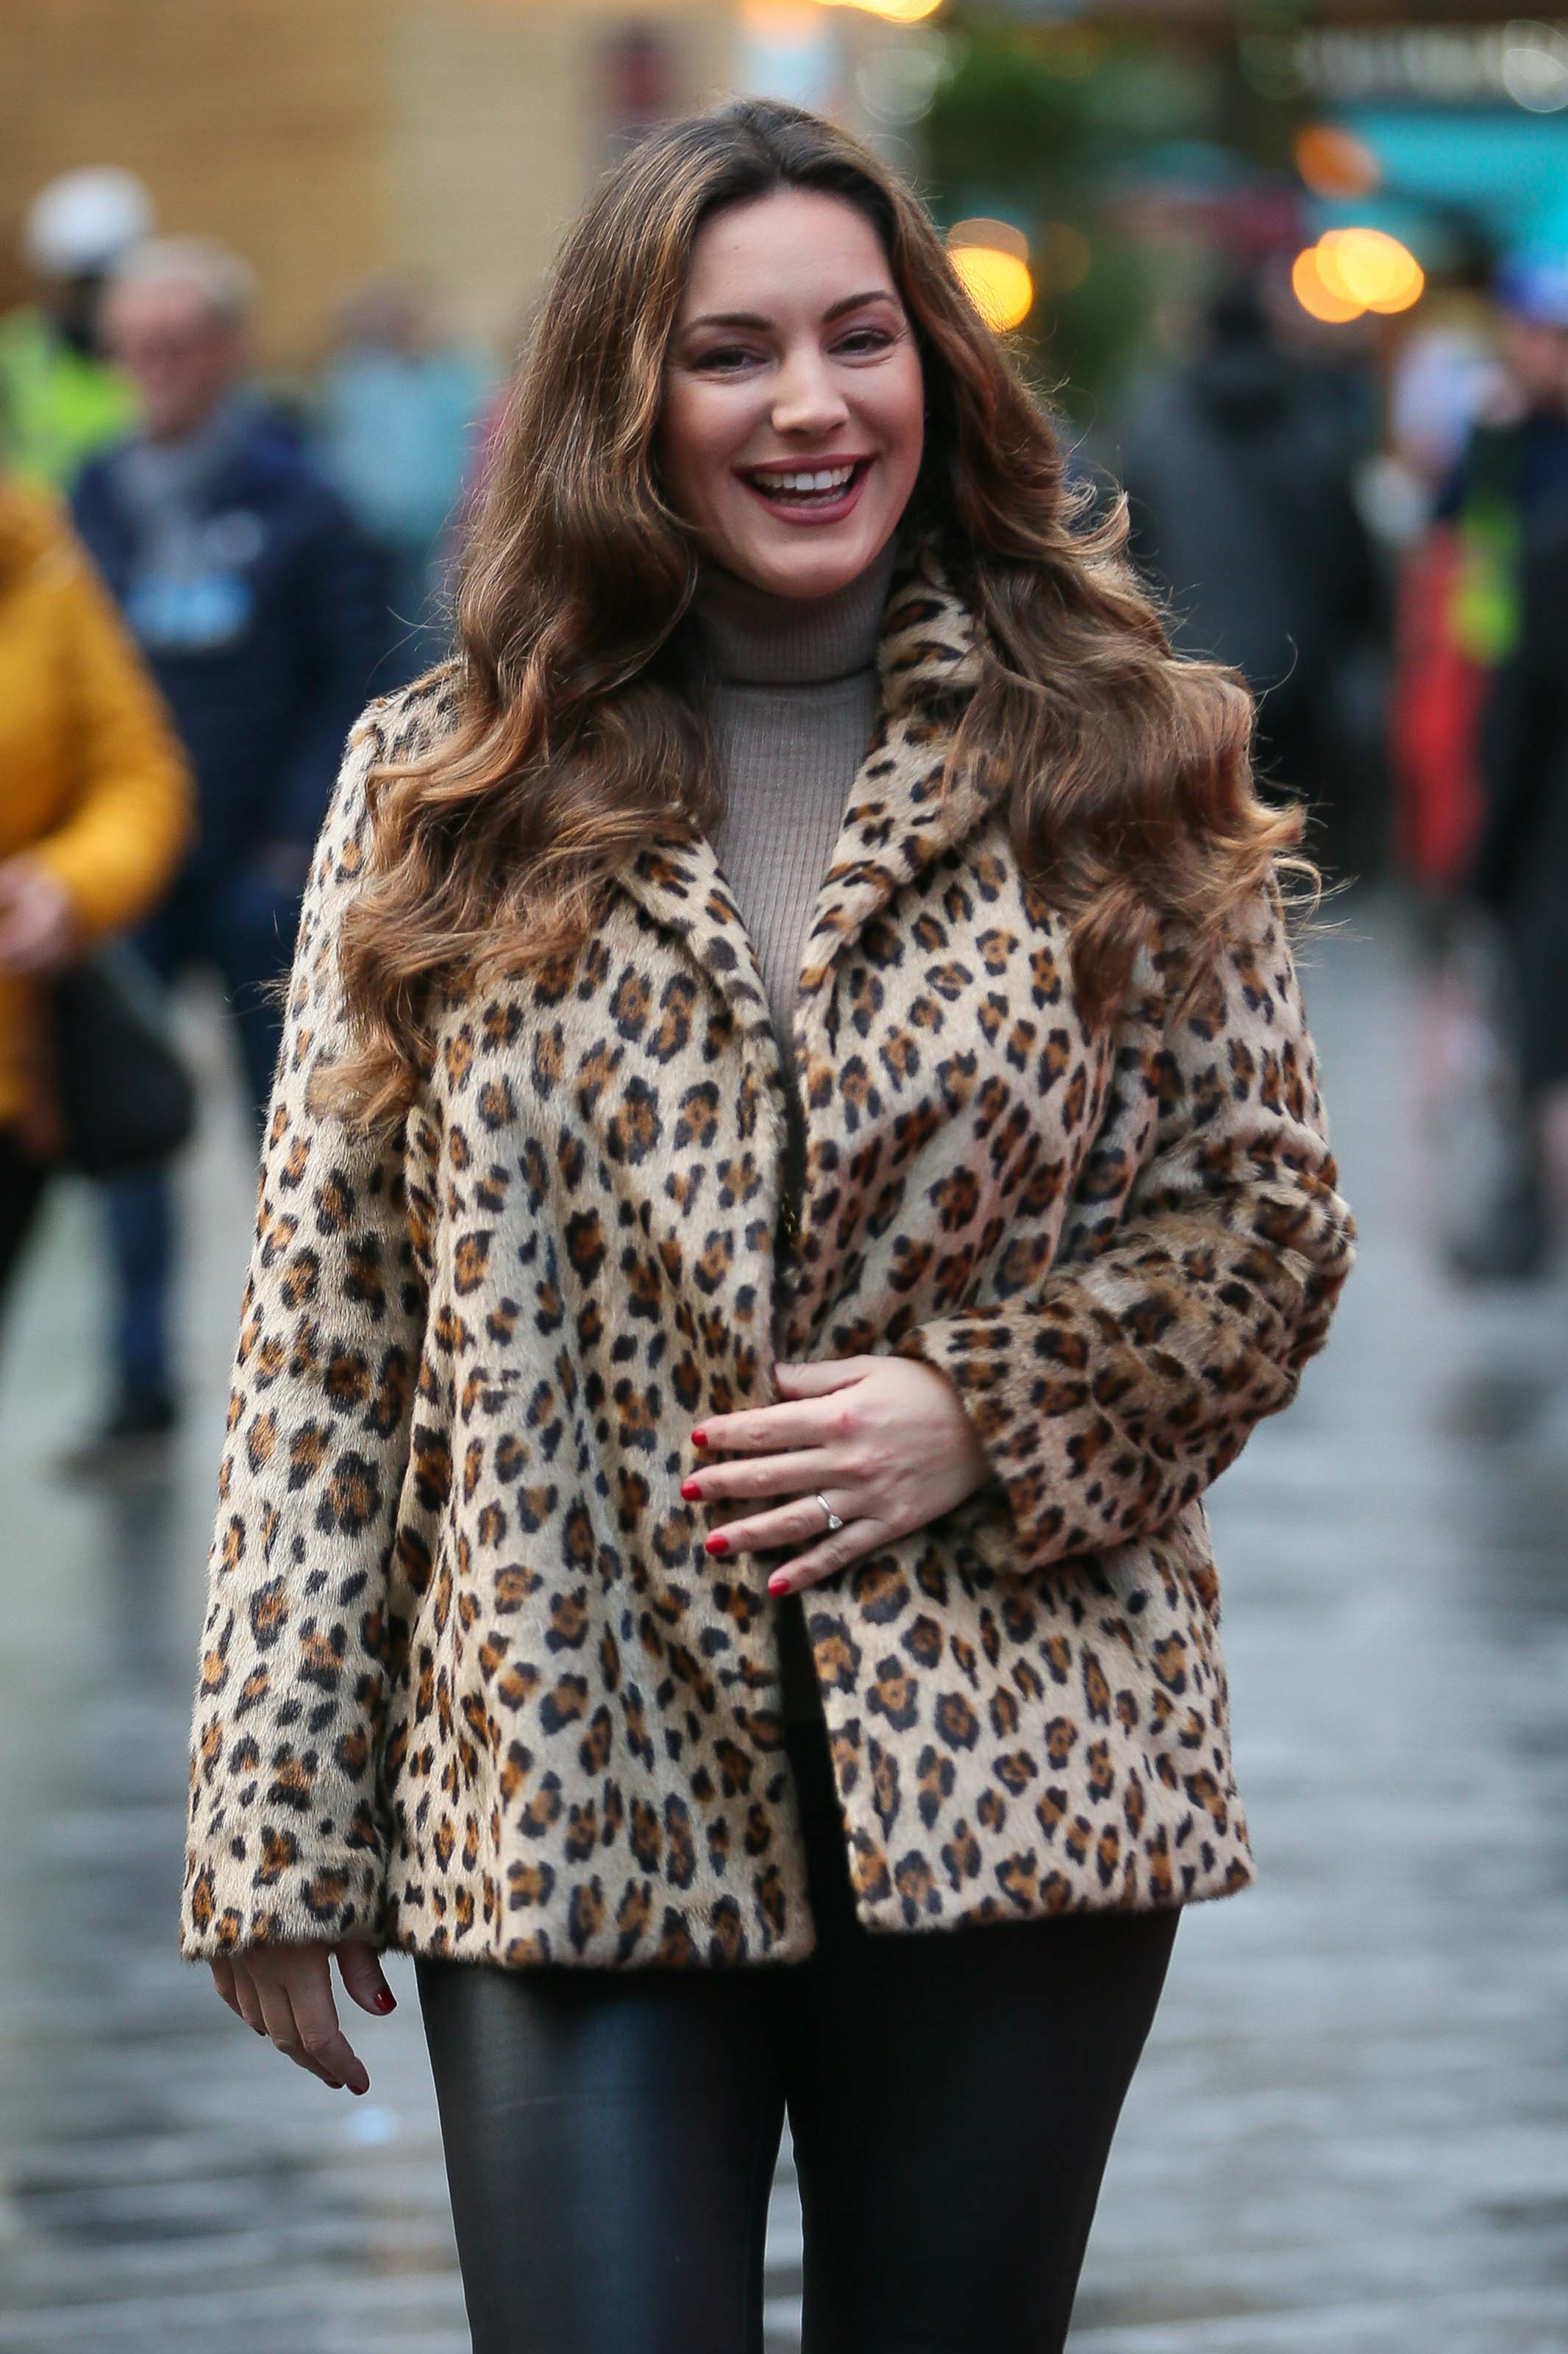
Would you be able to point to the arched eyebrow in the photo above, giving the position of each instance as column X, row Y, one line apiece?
column 756, row 319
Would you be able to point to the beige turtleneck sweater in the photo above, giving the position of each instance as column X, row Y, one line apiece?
column 792, row 693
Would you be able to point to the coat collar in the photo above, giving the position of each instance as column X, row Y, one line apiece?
column 898, row 818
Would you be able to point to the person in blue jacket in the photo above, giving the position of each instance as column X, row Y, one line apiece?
column 253, row 598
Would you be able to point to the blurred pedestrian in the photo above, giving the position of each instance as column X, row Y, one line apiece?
column 1459, row 589
column 712, row 1557
column 1510, row 483
column 1440, row 378
column 60, row 399
column 1520, row 877
column 252, row 596
column 399, row 414
column 94, row 814
column 1240, row 489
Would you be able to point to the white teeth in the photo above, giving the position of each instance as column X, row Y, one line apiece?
column 835, row 478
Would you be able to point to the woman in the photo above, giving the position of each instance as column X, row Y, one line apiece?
column 95, row 810
column 910, row 1213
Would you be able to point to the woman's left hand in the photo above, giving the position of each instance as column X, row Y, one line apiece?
column 883, row 1441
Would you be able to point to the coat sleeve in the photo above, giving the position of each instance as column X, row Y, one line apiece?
column 1131, row 1379
column 285, row 1840
column 131, row 814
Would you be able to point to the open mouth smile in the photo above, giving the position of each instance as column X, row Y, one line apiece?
column 815, row 493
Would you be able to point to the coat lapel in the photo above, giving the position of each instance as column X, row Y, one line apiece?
column 677, row 880
column 898, row 820
column 900, row 816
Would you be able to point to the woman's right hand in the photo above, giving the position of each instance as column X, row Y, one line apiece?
column 284, row 1992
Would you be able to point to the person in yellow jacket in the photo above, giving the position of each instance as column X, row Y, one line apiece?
column 95, row 810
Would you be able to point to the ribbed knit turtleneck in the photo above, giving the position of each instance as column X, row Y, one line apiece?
column 792, row 694
column 753, row 638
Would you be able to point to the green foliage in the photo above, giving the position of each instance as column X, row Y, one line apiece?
column 1088, row 336
column 1006, row 122
column 1024, row 129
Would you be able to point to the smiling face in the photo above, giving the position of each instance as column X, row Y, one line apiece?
column 791, row 427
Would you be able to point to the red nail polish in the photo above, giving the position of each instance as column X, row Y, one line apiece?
column 778, row 1586
column 691, row 1491
column 699, row 1438
column 719, row 1544
column 385, row 2000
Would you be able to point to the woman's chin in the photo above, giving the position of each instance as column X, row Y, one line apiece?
column 801, row 571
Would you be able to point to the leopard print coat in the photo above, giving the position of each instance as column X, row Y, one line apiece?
column 469, row 1683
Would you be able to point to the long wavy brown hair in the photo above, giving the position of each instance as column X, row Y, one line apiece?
column 576, row 732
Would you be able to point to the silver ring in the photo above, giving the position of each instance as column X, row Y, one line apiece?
column 835, row 1520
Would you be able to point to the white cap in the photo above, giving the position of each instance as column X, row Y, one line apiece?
column 84, row 220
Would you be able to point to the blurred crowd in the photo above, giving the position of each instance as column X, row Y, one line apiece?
column 1380, row 547
column 202, row 582
column 201, row 585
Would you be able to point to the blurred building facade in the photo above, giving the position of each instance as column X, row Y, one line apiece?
column 453, row 138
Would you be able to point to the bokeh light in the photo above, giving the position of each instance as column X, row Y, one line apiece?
column 992, row 257
column 1367, row 267
column 1535, row 67
column 898, row 80
column 1334, row 162
column 1349, row 272
column 1315, row 297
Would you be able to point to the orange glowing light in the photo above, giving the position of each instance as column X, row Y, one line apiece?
column 1367, row 268
column 1318, row 299
column 1333, row 162
column 992, row 257
column 991, row 236
column 997, row 285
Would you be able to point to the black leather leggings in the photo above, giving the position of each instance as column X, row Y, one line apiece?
column 610, row 2136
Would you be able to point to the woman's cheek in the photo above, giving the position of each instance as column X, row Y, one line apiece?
column 714, row 486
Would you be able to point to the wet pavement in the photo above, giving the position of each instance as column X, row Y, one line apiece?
column 1350, row 2128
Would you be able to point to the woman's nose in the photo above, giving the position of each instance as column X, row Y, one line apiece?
column 806, row 399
